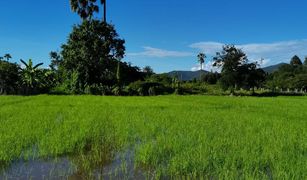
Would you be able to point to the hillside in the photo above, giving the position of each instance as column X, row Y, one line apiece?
column 273, row 68
column 187, row 75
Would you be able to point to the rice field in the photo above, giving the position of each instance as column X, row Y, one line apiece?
column 164, row 137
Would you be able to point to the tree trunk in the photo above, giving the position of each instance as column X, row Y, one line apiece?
column 105, row 11
column 201, row 71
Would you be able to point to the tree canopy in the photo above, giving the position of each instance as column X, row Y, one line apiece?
column 9, row 77
column 87, row 8
column 236, row 71
column 296, row 61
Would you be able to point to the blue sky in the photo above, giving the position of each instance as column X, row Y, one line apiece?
column 165, row 34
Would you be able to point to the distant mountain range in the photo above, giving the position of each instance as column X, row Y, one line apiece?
column 273, row 68
column 187, row 75
column 190, row 75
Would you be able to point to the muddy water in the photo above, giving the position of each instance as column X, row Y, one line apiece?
column 122, row 167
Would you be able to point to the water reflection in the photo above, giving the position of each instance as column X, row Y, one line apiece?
column 92, row 165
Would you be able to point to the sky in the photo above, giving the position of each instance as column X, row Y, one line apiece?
column 164, row 34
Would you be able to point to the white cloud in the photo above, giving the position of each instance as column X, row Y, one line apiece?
column 196, row 67
column 208, row 67
column 272, row 53
column 208, row 47
column 160, row 53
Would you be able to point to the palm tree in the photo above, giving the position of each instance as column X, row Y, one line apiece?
column 201, row 59
column 104, row 3
column 7, row 57
column 30, row 74
column 86, row 8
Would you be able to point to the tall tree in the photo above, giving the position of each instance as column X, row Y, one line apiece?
column 230, row 60
column 87, row 8
column 7, row 57
column 9, row 77
column 148, row 71
column 104, row 3
column 92, row 53
column 305, row 62
column 201, row 60
column 296, row 61
column 56, row 59
column 118, row 73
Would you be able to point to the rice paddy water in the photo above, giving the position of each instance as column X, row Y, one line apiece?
column 164, row 137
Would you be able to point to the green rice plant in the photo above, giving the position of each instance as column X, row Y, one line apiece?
column 172, row 137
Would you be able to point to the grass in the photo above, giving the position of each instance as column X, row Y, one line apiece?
column 172, row 136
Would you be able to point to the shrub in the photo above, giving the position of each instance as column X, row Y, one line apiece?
column 149, row 88
column 117, row 91
column 152, row 91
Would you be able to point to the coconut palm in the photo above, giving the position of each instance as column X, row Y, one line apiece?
column 86, row 8
column 7, row 57
column 104, row 3
column 30, row 74
column 201, row 59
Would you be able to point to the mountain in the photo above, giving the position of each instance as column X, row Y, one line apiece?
column 190, row 75
column 273, row 68
column 187, row 75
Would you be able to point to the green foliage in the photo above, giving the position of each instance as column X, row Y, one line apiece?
column 31, row 76
column 164, row 79
column 87, row 8
column 84, row 8
column 230, row 59
column 211, row 78
column 27, row 80
column 9, row 78
column 291, row 76
column 180, row 137
column 192, row 88
column 56, row 60
column 142, row 88
column 236, row 71
column 296, row 61
column 148, row 71
column 92, row 51
column 117, row 91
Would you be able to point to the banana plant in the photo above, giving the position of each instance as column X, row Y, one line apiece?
column 30, row 74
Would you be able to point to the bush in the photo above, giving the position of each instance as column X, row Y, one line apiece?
column 142, row 88
column 9, row 78
column 59, row 90
column 117, row 91
column 99, row 89
column 192, row 88
column 152, row 91
column 178, row 91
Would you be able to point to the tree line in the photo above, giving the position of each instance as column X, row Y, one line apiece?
column 90, row 62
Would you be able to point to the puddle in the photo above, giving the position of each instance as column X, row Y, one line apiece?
column 75, row 168
column 38, row 169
